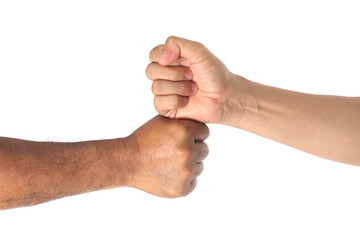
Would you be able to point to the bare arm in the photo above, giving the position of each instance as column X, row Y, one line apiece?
column 326, row 126
column 35, row 172
column 163, row 157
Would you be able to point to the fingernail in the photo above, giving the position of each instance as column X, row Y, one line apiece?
column 188, row 75
column 164, row 55
column 194, row 88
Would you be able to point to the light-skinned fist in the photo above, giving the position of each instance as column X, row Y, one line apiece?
column 189, row 81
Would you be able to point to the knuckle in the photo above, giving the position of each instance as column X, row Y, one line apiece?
column 203, row 128
column 205, row 150
column 148, row 71
column 159, row 46
column 175, row 193
column 170, row 39
column 184, row 129
column 191, row 187
column 199, row 45
column 157, row 103
column 200, row 49
column 177, row 190
column 152, row 52
column 155, row 88
column 172, row 193
column 206, row 131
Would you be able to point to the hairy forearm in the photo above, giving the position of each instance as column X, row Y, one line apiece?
column 326, row 126
column 35, row 172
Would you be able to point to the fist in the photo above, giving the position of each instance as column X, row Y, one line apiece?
column 189, row 81
column 167, row 156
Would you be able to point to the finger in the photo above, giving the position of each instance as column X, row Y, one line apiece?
column 163, row 104
column 182, row 88
column 201, row 132
column 201, row 152
column 156, row 52
column 191, row 187
column 180, row 62
column 155, row 71
column 199, row 168
column 176, row 48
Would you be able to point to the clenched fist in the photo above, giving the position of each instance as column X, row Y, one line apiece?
column 189, row 81
column 166, row 156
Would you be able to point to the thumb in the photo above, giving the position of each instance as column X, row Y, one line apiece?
column 189, row 51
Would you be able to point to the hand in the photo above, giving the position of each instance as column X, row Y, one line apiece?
column 189, row 81
column 166, row 156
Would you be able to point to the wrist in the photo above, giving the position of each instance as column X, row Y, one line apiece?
column 240, row 101
column 126, row 153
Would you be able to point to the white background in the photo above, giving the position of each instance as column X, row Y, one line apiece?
column 75, row 70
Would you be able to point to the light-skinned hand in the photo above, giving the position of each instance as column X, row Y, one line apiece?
column 189, row 81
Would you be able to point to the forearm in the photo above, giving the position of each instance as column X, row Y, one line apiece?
column 326, row 126
column 35, row 172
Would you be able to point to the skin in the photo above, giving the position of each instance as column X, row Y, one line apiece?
column 163, row 157
column 326, row 126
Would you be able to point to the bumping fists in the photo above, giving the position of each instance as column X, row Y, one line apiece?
column 189, row 81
